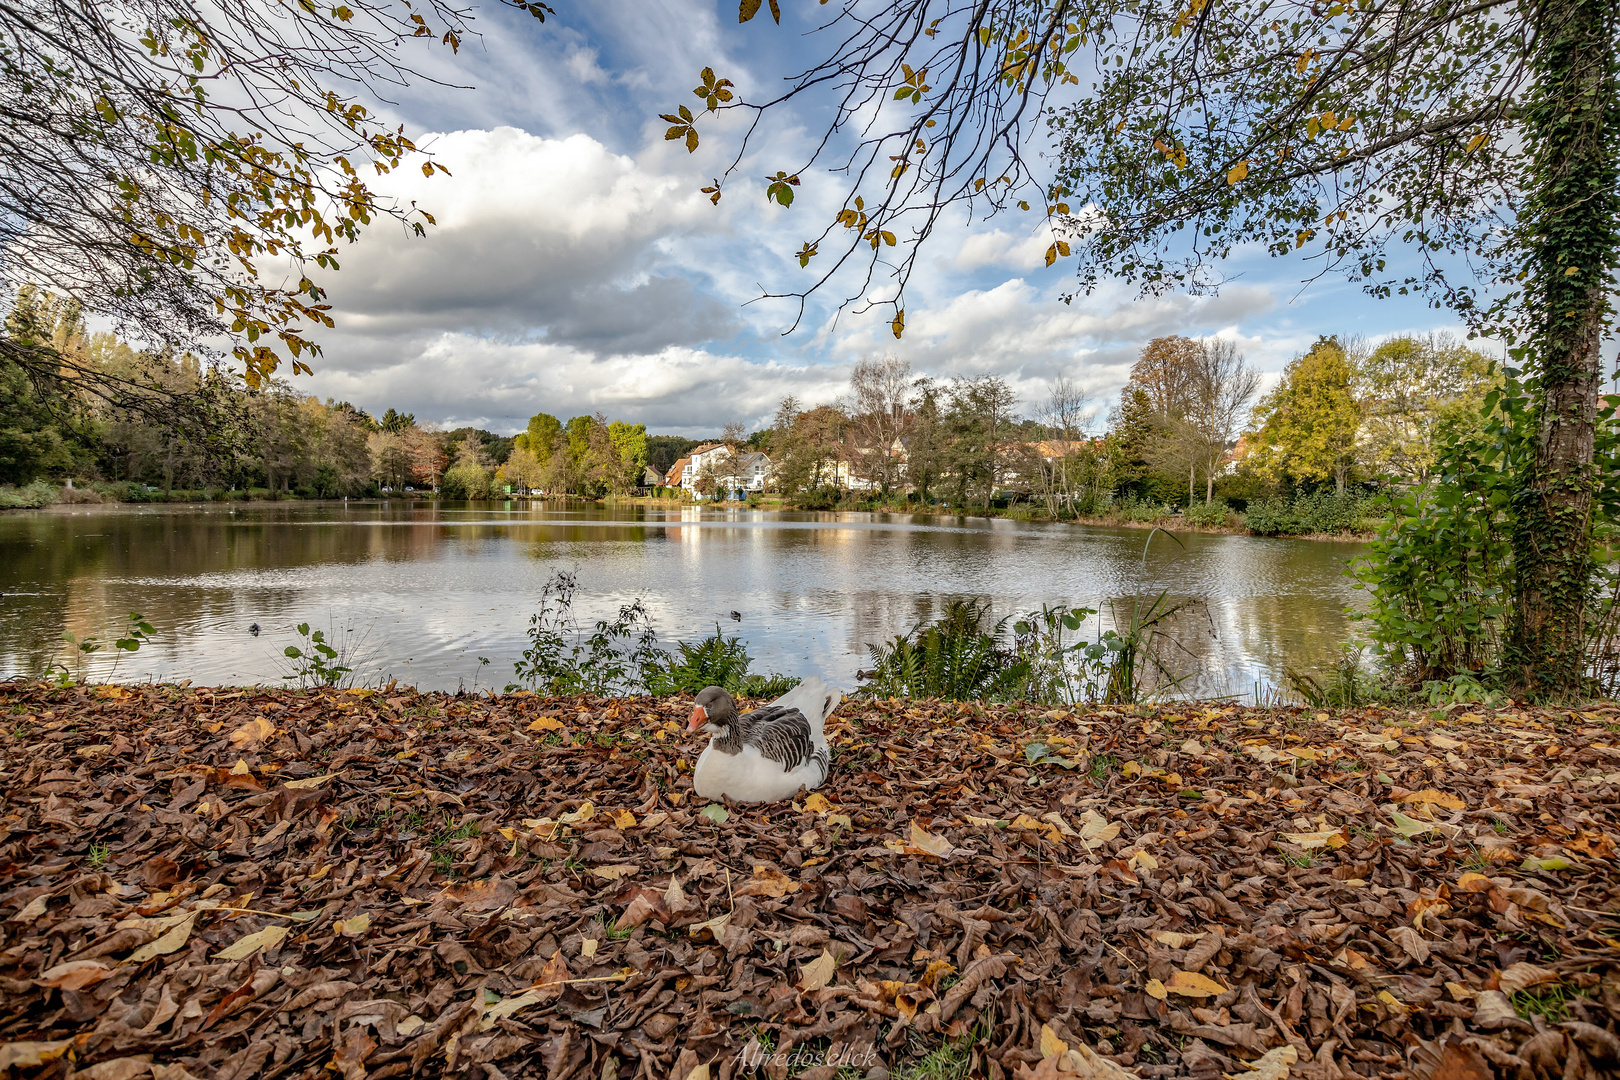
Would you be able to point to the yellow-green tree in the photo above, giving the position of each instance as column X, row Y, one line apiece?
column 1305, row 429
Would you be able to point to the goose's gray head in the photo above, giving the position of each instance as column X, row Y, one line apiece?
column 713, row 711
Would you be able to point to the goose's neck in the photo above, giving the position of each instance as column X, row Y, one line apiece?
column 730, row 739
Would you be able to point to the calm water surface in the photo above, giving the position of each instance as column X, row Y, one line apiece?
column 421, row 592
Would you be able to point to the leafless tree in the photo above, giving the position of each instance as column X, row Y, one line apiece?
column 881, row 389
column 1223, row 386
column 1065, row 417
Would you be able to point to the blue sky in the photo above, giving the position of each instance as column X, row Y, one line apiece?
column 576, row 268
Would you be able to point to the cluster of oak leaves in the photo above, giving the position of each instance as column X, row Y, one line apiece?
column 226, row 884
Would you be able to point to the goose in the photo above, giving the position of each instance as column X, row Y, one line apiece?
column 766, row 755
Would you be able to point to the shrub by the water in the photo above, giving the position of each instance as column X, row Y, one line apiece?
column 35, row 496
column 1308, row 513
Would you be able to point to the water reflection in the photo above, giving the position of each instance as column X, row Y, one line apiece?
column 430, row 588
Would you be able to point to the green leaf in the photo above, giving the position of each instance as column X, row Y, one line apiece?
column 291, row 652
column 714, row 811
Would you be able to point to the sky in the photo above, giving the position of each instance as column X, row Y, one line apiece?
column 576, row 268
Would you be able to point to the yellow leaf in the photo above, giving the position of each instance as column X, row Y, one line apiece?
column 586, row 811
column 1391, row 1000
column 1237, row 172
column 699, row 1072
column 1477, row 141
column 1051, row 1045
column 899, row 323
column 546, row 723
column 1446, row 742
column 1438, row 798
column 1328, row 838
column 30, row 1055
column 1192, row 984
column 268, row 938
column 168, row 943
column 1274, row 1064
column 817, row 802
column 241, row 768
column 310, row 782
column 927, row 843
column 1156, row 990
column 355, row 927
column 614, row 873
column 624, row 819
column 1143, row 861
column 818, row 972
column 1096, row 830
column 1475, row 883
column 1051, row 255
column 253, row 732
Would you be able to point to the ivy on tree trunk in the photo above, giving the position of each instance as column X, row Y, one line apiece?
column 1572, row 244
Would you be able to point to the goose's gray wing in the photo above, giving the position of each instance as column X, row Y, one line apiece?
column 782, row 734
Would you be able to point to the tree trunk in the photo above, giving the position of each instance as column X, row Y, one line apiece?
column 1572, row 240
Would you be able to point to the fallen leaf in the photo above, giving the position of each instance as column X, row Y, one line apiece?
column 1051, row 1045
column 614, row 872
column 124, row 1068
column 1522, row 976
column 73, row 975
column 1096, row 830
column 1326, row 838
column 818, row 972
column 353, row 927
column 252, row 733
column 1274, row 1064
column 176, row 937
column 244, row 947
column 1156, row 990
column 553, row 977
column 584, row 812
column 1473, row 883
column 624, row 819
column 768, row 882
column 1408, row 827
column 1493, row 1011
column 715, row 813
column 1174, row 939
column 675, row 899
column 1411, row 943
column 1193, row 984
column 1459, row 1061
column 311, row 782
column 1436, row 798
column 32, row 910
column 817, row 803
column 547, row 723
column 29, row 1055
column 927, row 843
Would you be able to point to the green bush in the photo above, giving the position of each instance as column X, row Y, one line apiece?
column 1140, row 511
column 35, row 496
column 1209, row 515
column 955, row 659
column 1308, row 513
column 465, row 482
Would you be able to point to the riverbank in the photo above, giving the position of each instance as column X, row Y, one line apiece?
column 245, row 882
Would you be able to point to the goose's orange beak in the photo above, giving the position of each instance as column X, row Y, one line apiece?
column 700, row 716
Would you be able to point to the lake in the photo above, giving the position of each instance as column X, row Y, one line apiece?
column 421, row 591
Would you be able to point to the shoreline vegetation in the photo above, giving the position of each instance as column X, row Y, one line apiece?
column 1358, row 526
column 393, row 883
